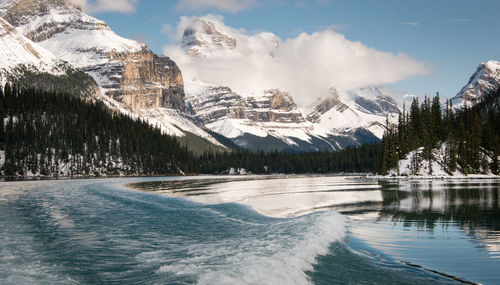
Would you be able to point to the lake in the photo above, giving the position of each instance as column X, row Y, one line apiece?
column 250, row 230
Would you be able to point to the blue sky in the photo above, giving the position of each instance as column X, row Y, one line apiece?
column 451, row 37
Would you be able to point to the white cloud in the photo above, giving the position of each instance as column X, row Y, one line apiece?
column 306, row 65
column 221, row 5
column 96, row 6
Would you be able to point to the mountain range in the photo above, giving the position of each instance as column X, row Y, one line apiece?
column 56, row 39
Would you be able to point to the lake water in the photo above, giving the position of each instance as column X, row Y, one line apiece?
column 250, row 230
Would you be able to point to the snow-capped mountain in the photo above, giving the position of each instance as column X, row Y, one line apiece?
column 17, row 51
column 268, row 119
column 131, row 77
column 135, row 81
column 202, row 36
column 484, row 81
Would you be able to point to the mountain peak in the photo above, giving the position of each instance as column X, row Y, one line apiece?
column 202, row 35
column 484, row 81
column 18, row 12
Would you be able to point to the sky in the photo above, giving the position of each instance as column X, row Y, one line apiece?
column 437, row 44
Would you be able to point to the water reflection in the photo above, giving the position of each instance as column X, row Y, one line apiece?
column 451, row 226
column 470, row 204
column 276, row 196
column 473, row 205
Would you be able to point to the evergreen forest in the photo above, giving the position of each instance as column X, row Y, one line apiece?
column 49, row 134
column 470, row 134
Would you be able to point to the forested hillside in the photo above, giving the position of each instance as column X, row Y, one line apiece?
column 464, row 140
column 50, row 134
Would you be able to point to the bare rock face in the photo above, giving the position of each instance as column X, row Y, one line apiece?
column 273, row 106
column 219, row 103
column 125, row 70
column 148, row 81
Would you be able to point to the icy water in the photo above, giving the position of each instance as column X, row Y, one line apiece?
column 250, row 230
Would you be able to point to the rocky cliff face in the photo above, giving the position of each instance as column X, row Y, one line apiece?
column 219, row 103
column 273, row 106
column 131, row 79
column 143, row 80
column 126, row 71
column 484, row 81
column 270, row 118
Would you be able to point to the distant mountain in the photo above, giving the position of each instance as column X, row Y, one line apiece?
column 131, row 77
column 484, row 81
column 55, row 39
column 27, row 64
column 270, row 119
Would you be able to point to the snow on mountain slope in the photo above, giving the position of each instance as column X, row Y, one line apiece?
column 485, row 80
column 333, row 120
column 364, row 108
column 64, row 29
column 270, row 113
column 16, row 50
column 131, row 77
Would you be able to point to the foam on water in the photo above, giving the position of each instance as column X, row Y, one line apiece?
column 280, row 253
column 82, row 232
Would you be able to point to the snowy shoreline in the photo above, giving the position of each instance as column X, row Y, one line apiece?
column 434, row 177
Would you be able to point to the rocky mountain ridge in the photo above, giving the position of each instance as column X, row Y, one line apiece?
column 131, row 78
column 134, row 80
column 483, row 82
column 333, row 122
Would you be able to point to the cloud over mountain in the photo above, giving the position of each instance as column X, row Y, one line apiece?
column 306, row 65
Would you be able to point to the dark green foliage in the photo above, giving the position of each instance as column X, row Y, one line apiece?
column 72, row 81
column 470, row 133
column 53, row 134
column 361, row 159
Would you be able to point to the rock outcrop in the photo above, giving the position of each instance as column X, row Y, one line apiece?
column 126, row 70
column 273, row 106
column 483, row 82
column 219, row 103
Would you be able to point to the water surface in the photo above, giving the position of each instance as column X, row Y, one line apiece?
column 250, row 230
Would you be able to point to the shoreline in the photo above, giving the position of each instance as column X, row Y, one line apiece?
column 430, row 177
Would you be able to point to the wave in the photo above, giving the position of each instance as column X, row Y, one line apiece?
column 278, row 252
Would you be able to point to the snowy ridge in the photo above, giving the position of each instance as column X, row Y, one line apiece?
column 485, row 80
column 133, row 80
column 234, row 111
column 17, row 50
column 347, row 111
column 269, row 113
column 64, row 29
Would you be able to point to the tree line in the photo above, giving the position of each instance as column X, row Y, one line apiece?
column 471, row 134
column 51, row 134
